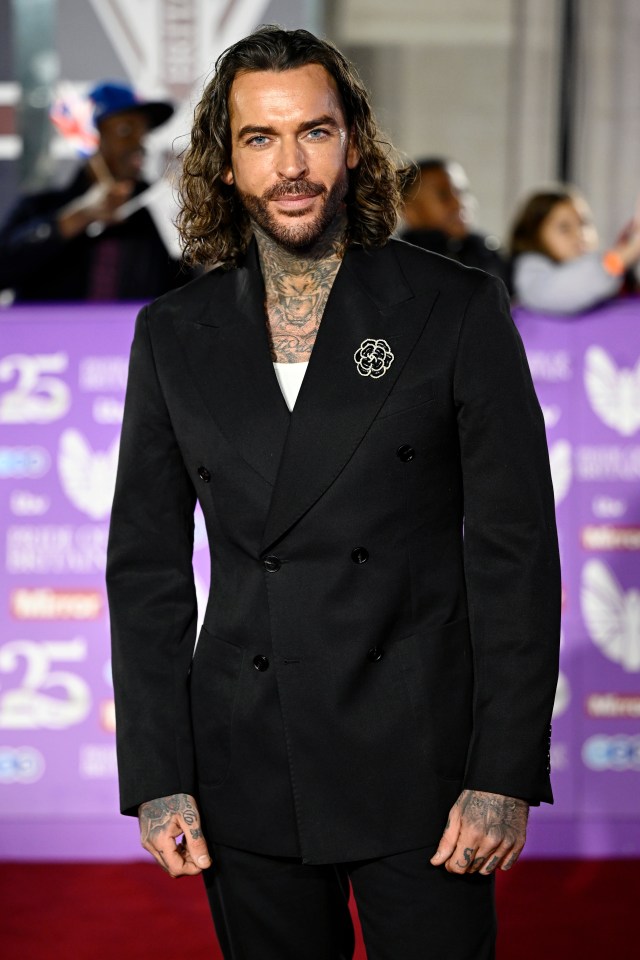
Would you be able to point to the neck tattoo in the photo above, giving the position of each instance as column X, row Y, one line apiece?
column 297, row 287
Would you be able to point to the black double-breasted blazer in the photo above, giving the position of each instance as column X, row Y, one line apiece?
column 383, row 619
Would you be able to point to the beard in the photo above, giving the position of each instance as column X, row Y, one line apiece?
column 296, row 237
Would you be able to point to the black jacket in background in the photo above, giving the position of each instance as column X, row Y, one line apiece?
column 471, row 251
column 38, row 264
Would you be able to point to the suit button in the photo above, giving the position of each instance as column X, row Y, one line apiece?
column 405, row 453
column 272, row 564
column 360, row 555
column 375, row 654
column 204, row 474
column 261, row 663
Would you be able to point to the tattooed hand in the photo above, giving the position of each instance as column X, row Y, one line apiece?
column 161, row 822
column 484, row 831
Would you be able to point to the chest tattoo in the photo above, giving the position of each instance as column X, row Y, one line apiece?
column 294, row 317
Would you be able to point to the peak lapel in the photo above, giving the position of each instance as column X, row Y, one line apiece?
column 227, row 349
column 370, row 299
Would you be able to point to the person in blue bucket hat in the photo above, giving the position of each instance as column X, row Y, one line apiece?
column 89, row 241
column 111, row 98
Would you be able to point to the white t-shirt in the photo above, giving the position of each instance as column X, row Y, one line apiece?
column 290, row 377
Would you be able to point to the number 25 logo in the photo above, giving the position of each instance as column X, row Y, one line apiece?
column 45, row 698
column 37, row 396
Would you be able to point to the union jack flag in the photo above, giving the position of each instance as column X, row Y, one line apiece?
column 72, row 116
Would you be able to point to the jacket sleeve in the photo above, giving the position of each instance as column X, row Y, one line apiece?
column 512, row 567
column 151, row 592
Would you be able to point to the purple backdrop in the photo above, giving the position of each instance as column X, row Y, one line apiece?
column 62, row 379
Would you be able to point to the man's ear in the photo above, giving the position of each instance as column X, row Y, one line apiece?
column 227, row 176
column 353, row 154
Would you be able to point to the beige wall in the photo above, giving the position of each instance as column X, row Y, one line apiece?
column 478, row 80
column 608, row 134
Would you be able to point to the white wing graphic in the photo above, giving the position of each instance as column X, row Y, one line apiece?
column 614, row 394
column 612, row 615
column 560, row 461
column 88, row 477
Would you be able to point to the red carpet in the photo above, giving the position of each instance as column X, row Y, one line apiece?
column 548, row 909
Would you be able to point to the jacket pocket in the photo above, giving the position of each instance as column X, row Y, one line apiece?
column 215, row 675
column 407, row 398
column 438, row 674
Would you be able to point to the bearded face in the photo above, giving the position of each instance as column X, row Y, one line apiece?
column 291, row 152
column 291, row 225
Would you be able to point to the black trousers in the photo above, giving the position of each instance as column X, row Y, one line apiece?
column 277, row 908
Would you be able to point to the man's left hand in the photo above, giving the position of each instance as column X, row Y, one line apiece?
column 484, row 831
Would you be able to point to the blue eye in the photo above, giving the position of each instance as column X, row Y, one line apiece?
column 258, row 140
column 317, row 134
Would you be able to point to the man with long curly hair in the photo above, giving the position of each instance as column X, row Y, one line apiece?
column 369, row 699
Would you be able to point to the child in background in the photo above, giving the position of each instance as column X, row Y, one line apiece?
column 557, row 267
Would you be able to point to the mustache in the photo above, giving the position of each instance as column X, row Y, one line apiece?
column 293, row 188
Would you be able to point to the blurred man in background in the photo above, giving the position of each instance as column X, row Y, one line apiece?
column 438, row 214
column 91, row 240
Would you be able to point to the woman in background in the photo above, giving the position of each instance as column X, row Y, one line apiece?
column 557, row 267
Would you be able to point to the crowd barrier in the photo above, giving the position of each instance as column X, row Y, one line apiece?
column 63, row 373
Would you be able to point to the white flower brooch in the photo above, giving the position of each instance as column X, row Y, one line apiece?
column 373, row 358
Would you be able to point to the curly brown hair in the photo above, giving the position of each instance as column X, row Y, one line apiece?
column 213, row 225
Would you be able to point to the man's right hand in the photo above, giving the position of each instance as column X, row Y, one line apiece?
column 162, row 822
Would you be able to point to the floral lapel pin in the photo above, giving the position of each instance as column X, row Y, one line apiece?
column 373, row 358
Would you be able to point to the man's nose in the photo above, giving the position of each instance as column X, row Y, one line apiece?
column 292, row 161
